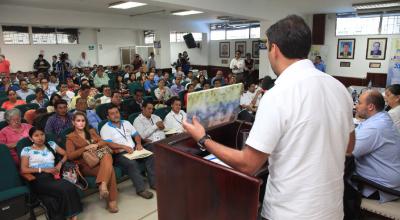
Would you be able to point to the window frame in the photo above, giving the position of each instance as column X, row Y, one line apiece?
column 380, row 15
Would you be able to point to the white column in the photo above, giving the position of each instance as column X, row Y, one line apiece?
column 265, row 67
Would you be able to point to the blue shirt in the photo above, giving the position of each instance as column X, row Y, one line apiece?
column 320, row 67
column 93, row 119
column 148, row 85
column 377, row 153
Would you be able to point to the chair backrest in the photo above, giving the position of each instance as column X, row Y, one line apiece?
column 101, row 124
column 25, row 107
column 30, row 98
column 62, row 138
column 134, row 86
column 148, row 98
column 9, row 177
column 101, row 110
column 3, row 124
column 98, row 95
column 133, row 116
column 182, row 96
column 2, row 100
column 162, row 112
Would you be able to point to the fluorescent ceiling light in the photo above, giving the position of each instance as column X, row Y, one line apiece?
column 376, row 5
column 126, row 5
column 184, row 13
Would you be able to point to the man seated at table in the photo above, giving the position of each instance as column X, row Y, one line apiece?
column 174, row 119
column 119, row 133
column 149, row 126
column 377, row 146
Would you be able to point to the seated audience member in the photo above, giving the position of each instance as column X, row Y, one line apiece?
column 40, row 75
column 106, row 98
column 76, row 76
column 71, row 85
column 55, row 97
column 319, row 64
column 167, row 80
column 196, row 83
column 84, row 92
column 40, row 119
column 24, row 91
column 202, row 80
column 65, row 93
column 190, row 88
column 162, row 93
column 149, row 126
column 85, row 82
column 127, row 72
column 174, row 119
column 177, row 87
column 220, row 76
column 250, row 100
column 392, row 97
column 13, row 79
column 131, row 78
column 206, row 85
column 118, row 134
column 134, row 105
column 377, row 147
column 189, row 77
column 92, row 118
column 60, row 120
column 101, row 78
column 13, row 132
column 150, row 84
column 141, row 74
column 217, row 83
column 33, row 83
column 40, row 98
column 120, row 84
column 12, row 100
column 6, row 84
column 157, row 76
column 48, row 91
column 232, row 80
column 53, row 80
column 179, row 72
column 84, row 139
column 116, row 99
column 39, row 160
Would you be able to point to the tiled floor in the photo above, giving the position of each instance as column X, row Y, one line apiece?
column 131, row 206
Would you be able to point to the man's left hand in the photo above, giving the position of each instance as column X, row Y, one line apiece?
column 139, row 147
column 196, row 129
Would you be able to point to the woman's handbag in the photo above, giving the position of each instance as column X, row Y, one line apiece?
column 93, row 157
column 70, row 172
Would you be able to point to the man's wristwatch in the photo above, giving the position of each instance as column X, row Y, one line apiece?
column 202, row 141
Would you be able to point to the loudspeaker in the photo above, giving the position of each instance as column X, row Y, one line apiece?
column 318, row 30
column 189, row 40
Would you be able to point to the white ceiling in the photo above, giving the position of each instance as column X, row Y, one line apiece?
column 160, row 9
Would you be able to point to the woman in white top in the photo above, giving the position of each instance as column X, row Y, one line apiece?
column 174, row 119
column 162, row 93
column 392, row 98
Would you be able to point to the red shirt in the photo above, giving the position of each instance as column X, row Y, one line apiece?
column 5, row 67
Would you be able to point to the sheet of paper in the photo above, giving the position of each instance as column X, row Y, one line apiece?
column 214, row 159
column 138, row 154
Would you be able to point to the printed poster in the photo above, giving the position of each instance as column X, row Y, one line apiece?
column 393, row 76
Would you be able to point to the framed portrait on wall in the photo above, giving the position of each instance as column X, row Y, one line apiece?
column 224, row 49
column 255, row 50
column 345, row 48
column 376, row 49
column 241, row 46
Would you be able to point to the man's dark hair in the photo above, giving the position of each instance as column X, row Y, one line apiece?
column 114, row 92
column 60, row 102
column 38, row 90
column 138, row 91
column 41, row 55
column 376, row 98
column 173, row 100
column 111, row 106
column 319, row 57
column 216, row 80
column 22, row 80
column 292, row 36
column 146, row 102
column 394, row 89
column 84, row 87
column 43, row 79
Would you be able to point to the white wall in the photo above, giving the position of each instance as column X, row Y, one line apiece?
column 115, row 31
column 215, row 60
column 198, row 56
column 360, row 65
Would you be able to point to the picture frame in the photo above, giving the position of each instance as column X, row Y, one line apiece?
column 345, row 64
column 241, row 46
column 346, row 48
column 255, row 50
column 376, row 49
column 374, row 65
column 224, row 49
column 224, row 61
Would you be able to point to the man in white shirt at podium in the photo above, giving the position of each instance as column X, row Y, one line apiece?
column 295, row 129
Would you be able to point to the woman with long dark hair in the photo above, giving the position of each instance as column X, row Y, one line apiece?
column 83, row 139
column 39, row 160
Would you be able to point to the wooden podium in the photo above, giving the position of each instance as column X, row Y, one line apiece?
column 192, row 188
